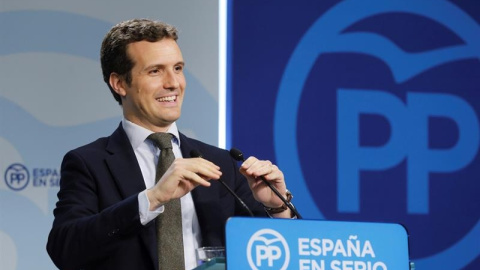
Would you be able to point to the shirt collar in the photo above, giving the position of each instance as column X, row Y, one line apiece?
column 137, row 134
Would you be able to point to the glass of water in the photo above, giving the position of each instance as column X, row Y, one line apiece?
column 205, row 254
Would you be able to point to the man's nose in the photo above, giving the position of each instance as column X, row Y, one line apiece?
column 170, row 80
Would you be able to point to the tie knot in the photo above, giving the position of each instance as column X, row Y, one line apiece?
column 161, row 139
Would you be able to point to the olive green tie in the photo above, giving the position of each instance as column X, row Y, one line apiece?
column 168, row 223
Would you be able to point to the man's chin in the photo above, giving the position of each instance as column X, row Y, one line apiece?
column 169, row 120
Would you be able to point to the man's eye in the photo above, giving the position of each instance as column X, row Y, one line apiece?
column 154, row 71
column 178, row 68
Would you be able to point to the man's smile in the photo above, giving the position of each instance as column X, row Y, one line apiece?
column 168, row 99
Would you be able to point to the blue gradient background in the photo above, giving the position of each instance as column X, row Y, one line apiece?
column 301, row 54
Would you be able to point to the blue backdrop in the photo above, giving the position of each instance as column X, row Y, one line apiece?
column 371, row 110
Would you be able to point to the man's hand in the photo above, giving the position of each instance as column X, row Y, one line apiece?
column 181, row 177
column 253, row 168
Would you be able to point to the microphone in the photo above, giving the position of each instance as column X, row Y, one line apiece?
column 238, row 155
column 195, row 153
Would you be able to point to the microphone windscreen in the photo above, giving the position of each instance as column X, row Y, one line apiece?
column 236, row 154
column 195, row 153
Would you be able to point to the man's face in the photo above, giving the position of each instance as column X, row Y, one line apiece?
column 154, row 98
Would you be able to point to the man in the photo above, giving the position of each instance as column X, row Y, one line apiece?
column 109, row 199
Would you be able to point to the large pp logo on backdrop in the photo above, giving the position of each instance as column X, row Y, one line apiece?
column 399, row 101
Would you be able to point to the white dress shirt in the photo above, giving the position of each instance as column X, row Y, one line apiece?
column 147, row 156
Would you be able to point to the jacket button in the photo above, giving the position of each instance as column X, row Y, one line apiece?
column 112, row 233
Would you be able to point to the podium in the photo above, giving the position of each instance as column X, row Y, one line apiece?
column 214, row 264
column 281, row 244
column 262, row 243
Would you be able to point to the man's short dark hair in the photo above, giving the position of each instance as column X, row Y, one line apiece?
column 113, row 54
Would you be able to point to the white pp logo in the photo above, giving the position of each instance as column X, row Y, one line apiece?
column 267, row 249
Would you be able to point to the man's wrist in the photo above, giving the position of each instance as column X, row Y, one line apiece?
column 282, row 208
column 147, row 214
column 154, row 202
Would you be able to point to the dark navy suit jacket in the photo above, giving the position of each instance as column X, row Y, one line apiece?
column 97, row 223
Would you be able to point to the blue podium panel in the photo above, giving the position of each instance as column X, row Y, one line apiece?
column 214, row 264
column 261, row 243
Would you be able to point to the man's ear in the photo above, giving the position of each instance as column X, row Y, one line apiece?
column 118, row 84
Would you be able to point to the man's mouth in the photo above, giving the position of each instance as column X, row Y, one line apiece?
column 167, row 99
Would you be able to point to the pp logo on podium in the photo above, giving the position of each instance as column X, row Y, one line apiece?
column 267, row 249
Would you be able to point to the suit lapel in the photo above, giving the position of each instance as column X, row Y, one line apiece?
column 185, row 146
column 206, row 202
column 124, row 165
column 128, row 177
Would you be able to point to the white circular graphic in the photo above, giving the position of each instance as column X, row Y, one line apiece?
column 267, row 249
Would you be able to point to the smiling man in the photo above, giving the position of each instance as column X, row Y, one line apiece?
column 153, row 99
column 113, row 202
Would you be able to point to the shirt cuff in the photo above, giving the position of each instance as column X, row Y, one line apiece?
column 143, row 208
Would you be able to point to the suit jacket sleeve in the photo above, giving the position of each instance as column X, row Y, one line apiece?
column 80, row 225
column 97, row 216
